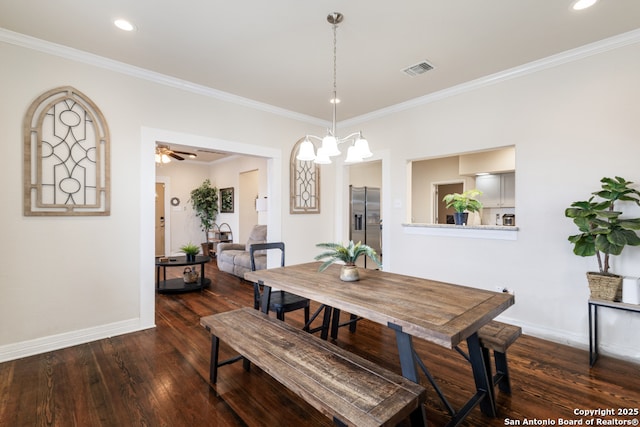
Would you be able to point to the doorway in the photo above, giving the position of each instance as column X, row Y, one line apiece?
column 442, row 214
column 160, row 219
column 248, row 216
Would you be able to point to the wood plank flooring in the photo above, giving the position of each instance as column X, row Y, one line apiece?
column 159, row 377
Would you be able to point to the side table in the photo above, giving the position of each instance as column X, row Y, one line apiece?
column 178, row 285
column 593, row 322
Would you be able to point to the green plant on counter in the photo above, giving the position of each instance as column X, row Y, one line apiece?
column 347, row 254
column 602, row 231
column 465, row 202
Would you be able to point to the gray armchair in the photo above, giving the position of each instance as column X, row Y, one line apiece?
column 234, row 258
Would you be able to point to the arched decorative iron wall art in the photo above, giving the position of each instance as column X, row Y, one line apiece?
column 66, row 156
column 304, row 177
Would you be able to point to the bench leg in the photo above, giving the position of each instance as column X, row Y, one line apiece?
column 502, row 372
column 482, row 374
column 213, row 368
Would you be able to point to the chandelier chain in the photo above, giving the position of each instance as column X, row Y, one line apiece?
column 335, row 56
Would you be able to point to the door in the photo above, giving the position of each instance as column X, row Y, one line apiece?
column 247, row 194
column 442, row 212
column 160, row 216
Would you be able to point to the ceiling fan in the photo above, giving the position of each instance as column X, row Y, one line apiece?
column 163, row 154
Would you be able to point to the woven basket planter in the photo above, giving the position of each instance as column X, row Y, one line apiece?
column 606, row 287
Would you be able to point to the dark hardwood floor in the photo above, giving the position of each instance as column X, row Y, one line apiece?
column 159, row 377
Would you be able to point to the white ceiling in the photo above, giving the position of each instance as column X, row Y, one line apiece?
column 280, row 52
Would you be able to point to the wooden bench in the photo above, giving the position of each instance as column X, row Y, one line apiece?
column 498, row 336
column 343, row 386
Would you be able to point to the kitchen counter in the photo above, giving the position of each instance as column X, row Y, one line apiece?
column 499, row 232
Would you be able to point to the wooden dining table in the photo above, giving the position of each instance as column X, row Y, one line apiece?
column 442, row 313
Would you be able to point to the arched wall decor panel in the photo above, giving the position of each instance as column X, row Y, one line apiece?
column 66, row 156
column 304, row 177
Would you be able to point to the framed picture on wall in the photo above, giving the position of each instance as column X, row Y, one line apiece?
column 226, row 200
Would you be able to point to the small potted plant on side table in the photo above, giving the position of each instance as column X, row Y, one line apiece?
column 463, row 204
column 602, row 231
column 348, row 254
column 191, row 251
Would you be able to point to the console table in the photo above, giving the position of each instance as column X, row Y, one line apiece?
column 593, row 322
column 178, row 285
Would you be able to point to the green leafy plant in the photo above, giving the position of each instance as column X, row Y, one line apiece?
column 465, row 202
column 347, row 254
column 190, row 249
column 602, row 231
column 204, row 201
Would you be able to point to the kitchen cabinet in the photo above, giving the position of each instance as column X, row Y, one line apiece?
column 498, row 190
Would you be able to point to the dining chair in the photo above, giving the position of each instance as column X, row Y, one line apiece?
column 281, row 302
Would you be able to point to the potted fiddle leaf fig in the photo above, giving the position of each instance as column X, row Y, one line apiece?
column 463, row 204
column 604, row 233
column 204, row 201
column 348, row 255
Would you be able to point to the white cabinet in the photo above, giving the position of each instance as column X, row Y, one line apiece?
column 498, row 190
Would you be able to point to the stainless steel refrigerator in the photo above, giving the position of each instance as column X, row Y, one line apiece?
column 365, row 223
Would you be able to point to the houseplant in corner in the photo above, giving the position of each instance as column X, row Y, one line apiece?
column 204, row 201
column 348, row 255
column 463, row 204
column 604, row 232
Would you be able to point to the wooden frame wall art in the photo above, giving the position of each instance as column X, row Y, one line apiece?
column 66, row 156
column 304, row 187
column 226, row 200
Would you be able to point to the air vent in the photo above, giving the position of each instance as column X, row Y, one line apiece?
column 417, row 69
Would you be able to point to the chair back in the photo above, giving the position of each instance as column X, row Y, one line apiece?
column 264, row 247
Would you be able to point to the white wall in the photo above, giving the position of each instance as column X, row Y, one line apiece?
column 69, row 280
column 571, row 125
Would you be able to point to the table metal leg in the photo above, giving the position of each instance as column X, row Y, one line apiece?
column 202, row 278
column 409, row 369
column 593, row 334
column 405, row 351
column 266, row 297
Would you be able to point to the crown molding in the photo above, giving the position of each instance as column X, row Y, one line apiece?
column 66, row 52
column 605, row 45
column 608, row 44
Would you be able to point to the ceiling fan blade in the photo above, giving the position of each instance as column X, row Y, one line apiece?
column 175, row 156
column 186, row 153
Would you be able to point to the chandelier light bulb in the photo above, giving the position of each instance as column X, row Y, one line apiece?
column 352, row 155
column 322, row 158
column 306, row 152
column 363, row 147
column 330, row 145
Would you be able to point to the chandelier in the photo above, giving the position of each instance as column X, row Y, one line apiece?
column 359, row 150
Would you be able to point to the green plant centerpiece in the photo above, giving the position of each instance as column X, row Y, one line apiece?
column 604, row 233
column 463, row 203
column 348, row 255
column 204, row 201
column 190, row 250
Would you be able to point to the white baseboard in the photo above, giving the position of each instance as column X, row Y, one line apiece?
column 56, row 342
column 571, row 339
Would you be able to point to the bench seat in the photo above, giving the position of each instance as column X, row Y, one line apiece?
column 343, row 386
column 498, row 336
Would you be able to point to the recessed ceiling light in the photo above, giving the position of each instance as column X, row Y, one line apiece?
column 583, row 4
column 124, row 25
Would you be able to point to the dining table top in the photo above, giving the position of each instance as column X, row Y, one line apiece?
column 439, row 312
